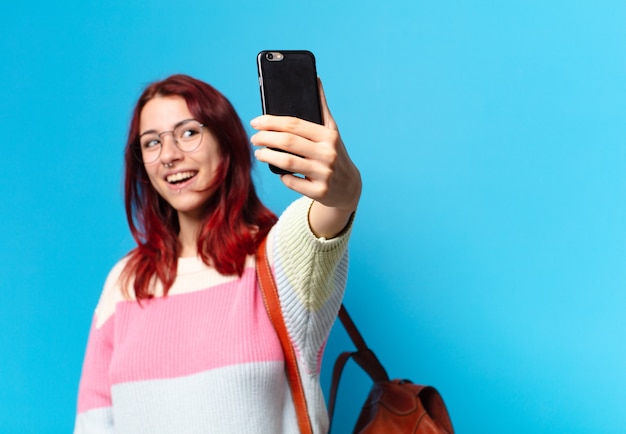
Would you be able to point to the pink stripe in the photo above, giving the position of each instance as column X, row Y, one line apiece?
column 184, row 334
column 93, row 391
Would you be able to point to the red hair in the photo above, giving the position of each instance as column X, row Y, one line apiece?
column 236, row 220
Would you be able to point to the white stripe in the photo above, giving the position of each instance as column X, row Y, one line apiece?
column 242, row 398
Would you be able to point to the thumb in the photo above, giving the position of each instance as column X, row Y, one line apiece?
column 329, row 121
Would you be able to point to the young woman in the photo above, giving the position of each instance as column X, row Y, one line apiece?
column 181, row 341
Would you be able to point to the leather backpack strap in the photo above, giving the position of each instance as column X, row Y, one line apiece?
column 272, row 305
column 350, row 327
column 334, row 385
column 363, row 356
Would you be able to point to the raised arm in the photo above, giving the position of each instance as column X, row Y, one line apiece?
column 315, row 152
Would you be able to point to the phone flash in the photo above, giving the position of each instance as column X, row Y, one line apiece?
column 274, row 56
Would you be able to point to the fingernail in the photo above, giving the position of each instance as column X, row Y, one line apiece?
column 254, row 122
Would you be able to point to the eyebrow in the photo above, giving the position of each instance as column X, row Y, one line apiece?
column 178, row 124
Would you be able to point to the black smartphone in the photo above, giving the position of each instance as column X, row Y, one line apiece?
column 288, row 83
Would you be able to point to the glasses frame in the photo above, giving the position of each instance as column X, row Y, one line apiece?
column 139, row 150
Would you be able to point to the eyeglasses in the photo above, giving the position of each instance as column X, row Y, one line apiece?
column 187, row 137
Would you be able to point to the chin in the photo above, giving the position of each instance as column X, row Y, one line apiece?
column 191, row 206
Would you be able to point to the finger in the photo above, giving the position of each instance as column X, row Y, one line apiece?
column 304, row 186
column 289, row 124
column 290, row 131
column 329, row 121
column 290, row 162
column 324, row 151
column 278, row 140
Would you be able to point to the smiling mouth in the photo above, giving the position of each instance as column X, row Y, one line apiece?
column 179, row 178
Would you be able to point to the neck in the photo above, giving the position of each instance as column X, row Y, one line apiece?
column 190, row 228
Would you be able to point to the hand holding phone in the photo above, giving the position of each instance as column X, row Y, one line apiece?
column 328, row 175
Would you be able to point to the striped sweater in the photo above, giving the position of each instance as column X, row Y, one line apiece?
column 206, row 359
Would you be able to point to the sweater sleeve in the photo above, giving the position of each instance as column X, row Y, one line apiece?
column 94, row 407
column 311, row 275
column 94, row 414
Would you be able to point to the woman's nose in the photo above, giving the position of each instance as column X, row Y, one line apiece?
column 169, row 149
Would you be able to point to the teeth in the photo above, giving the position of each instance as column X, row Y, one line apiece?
column 181, row 176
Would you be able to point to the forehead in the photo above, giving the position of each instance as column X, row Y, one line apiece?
column 163, row 112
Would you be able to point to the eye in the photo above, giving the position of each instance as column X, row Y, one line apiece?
column 189, row 131
column 150, row 142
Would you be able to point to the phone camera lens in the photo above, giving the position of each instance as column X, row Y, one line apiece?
column 269, row 56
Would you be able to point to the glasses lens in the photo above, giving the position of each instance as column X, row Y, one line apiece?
column 188, row 135
column 150, row 146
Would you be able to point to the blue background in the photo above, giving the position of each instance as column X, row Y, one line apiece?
column 488, row 256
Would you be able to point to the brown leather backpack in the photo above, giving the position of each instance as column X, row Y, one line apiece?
column 392, row 406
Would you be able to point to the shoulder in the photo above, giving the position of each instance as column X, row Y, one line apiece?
column 111, row 293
